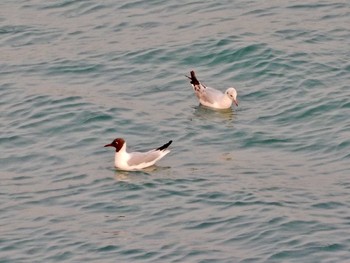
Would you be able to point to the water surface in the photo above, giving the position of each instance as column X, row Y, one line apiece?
column 265, row 182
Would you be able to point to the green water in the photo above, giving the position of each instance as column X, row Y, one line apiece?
column 267, row 181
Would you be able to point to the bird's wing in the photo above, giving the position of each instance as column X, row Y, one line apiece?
column 209, row 95
column 213, row 95
column 137, row 158
column 203, row 93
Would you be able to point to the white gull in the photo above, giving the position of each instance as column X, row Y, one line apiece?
column 136, row 160
column 213, row 98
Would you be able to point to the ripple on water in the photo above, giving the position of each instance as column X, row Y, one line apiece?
column 264, row 182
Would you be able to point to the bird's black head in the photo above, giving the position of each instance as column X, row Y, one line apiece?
column 117, row 144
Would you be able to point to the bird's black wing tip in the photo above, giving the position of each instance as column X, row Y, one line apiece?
column 163, row 147
column 193, row 78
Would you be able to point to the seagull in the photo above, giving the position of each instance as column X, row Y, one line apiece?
column 213, row 98
column 136, row 160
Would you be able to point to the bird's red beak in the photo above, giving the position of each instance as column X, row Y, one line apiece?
column 108, row 145
column 236, row 102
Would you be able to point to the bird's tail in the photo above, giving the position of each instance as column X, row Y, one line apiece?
column 163, row 147
column 194, row 80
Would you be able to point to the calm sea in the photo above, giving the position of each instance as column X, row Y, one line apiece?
column 268, row 181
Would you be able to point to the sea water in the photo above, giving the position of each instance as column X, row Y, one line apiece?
column 267, row 181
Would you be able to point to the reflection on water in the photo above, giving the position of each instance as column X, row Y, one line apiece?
column 207, row 113
column 121, row 176
column 128, row 176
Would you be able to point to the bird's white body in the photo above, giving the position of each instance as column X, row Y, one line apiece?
column 136, row 160
column 211, row 97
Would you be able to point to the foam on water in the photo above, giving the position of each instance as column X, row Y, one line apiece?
column 265, row 182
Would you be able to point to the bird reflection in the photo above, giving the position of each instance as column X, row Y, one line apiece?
column 128, row 176
column 203, row 112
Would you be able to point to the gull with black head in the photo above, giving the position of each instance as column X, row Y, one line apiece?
column 136, row 160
